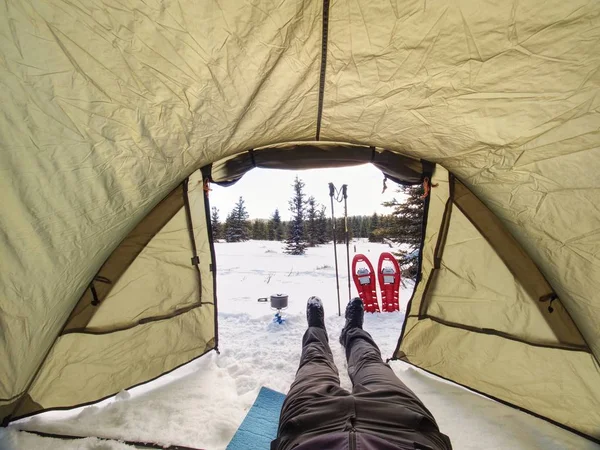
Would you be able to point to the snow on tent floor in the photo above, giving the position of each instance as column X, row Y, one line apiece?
column 202, row 404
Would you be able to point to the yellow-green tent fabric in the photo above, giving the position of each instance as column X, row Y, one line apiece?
column 109, row 109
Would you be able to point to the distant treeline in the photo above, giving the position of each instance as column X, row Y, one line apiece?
column 317, row 231
column 310, row 225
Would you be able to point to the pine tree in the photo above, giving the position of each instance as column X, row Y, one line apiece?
column 354, row 225
column 375, row 235
column 311, row 222
column 259, row 230
column 264, row 230
column 256, row 230
column 229, row 228
column 285, row 230
column 296, row 243
column 322, row 236
column 367, row 227
column 275, row 227
column 405, row 227
column 215, row 224
column 269, row 231
column 340, row 232
column 237, row 225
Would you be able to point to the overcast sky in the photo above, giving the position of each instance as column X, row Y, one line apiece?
column 264, row 190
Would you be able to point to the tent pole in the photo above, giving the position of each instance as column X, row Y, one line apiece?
column 337, row 280
column 345, row 194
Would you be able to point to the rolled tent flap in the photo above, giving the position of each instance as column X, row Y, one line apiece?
column 314, row 155
column 484, row 316
column 150, row 309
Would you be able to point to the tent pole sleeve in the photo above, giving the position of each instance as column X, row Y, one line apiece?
column 323, row 66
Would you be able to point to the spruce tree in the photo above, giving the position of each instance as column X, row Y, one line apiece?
column 354, row 225
column 275, row 227
column 322, row 236
column 285, row 230
column 360, row 227
column 215, row 224
column 241, row 216
column 340, row 231
column 259, row 230
column 256, row 230
column 296, row 243
column 229, row 228
column 367, row 227
column 329, row 229
column 406, row 227
column 238, row 227
column 311, row 222
column 375, row 235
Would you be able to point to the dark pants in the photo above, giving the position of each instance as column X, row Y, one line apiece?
column 380, row 404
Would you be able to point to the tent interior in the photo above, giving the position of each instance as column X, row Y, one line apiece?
column 116, row 116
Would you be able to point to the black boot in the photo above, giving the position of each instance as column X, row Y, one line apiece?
column 355, row 313
column 315, row 315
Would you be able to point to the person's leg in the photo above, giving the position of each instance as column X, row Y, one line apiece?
column 365, row 364
column 316, row 367
column 315, row 403
column 385, row 406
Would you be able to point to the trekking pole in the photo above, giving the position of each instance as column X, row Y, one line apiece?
column 337, row 280
column 345, row 194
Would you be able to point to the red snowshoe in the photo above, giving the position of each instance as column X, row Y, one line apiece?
column 388, row 272
column 364, row 279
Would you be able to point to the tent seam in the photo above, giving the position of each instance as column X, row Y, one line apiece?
column 144, row 321
column 324, row 39
column 501, row 334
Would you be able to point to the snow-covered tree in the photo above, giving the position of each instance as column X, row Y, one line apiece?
column 365, row 227
column 275, row 227
column 311, row 222
column 296, row 243
column 259, row 230
column 229, row 228
column 237, row 225
column 375, row 235
column 322, row 235
column 215, row 224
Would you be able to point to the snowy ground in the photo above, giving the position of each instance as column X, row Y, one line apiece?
column 202, row 404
